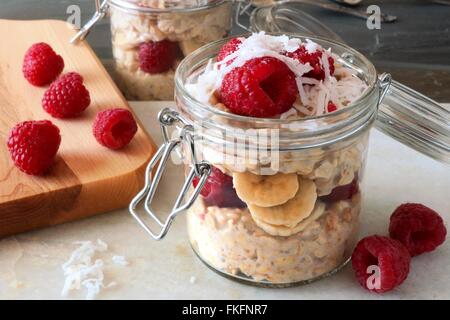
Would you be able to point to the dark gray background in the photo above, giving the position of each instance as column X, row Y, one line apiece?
column 415, row 49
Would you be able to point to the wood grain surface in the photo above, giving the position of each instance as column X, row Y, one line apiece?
column 86, row 178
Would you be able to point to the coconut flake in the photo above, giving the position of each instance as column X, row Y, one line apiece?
column 292, row 112
column 311, row 46
column 310, row 81
column 120, row 260
column 326, row 65
column 81, row 271
column 301, row 91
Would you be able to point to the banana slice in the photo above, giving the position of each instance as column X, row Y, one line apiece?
column 265, row 191
column 283, row 231
column 292, row 212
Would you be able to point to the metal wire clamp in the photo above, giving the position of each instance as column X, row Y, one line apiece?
column 202, row 170
column 101, row 8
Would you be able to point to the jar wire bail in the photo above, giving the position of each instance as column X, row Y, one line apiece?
column 101, row 8
column 167, row 118
column 244, row 7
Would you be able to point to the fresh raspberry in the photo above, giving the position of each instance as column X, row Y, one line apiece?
column 342, row 192
column 418, row 227
column 219, row 191
column 262, row 87
column 41, row 65
column 73, row 76
column 331, row 107
column 114, row 128
column 157, row 57
column 67, row 97
column 315, row 61
column 391, row 257
column 33, row 145
column 228, row 48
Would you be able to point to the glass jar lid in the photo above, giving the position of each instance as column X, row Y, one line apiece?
column 406, row 115
column 295, row 16
column 290, row 17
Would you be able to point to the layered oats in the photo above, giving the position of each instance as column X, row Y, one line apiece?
column 229, row 240
column 189, row 29
column 237, row 242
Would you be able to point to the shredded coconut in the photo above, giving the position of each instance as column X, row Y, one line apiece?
column 314, row 95
column 120, row 260
column 292, row 112
column 81, row 270
column 311, row 46
column 256, row 46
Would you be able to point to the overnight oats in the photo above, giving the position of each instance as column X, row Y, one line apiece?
column 151, row 37
column 273, row 131
column 281, row 204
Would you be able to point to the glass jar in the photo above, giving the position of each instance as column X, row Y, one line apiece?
column 288, row 207
column 180, row 27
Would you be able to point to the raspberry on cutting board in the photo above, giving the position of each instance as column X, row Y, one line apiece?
column 73, row 76
column 262, row 87
column 114, row 128
column 389, row 255
column 418, row 227
column 157, row 56
column 41, row 65
column 33, row 146
column 67, row 97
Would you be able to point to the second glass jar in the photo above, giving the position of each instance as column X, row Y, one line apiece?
column 177, row 27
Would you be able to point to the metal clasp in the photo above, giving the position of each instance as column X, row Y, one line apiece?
column 243, row 8
column 100, row 11
column 384, row 82
column 202, row 170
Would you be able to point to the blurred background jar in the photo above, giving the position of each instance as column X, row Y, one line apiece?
column 150, row 38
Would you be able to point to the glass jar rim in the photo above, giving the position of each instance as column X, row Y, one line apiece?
column 128, row 5
column 187, row 61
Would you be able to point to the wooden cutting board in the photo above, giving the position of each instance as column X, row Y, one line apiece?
column 86, row 178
